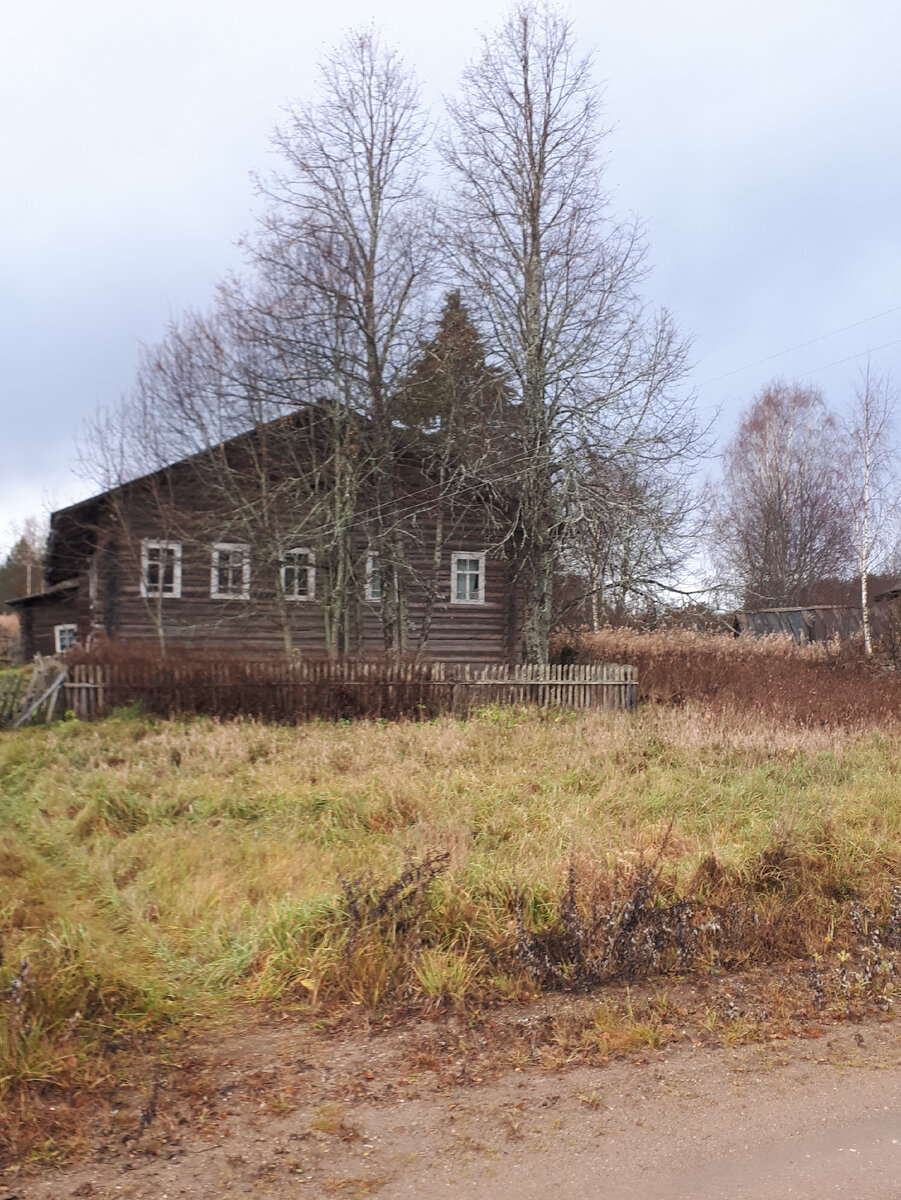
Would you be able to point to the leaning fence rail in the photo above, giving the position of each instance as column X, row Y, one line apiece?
column 295, row 690
column 31, row 696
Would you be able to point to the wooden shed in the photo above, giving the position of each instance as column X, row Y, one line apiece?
column 814, row 623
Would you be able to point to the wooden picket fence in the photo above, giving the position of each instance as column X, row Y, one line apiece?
column 592, row 685
column 295, row 690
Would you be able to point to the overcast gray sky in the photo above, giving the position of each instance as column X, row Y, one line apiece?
column 758, row 142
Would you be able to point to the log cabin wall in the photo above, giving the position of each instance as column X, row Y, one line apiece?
column 177, row 509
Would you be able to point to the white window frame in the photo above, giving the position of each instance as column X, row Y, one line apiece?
column 373, row 571
column 160, row 593
column 67, row 630
column 230, row 548
column 311, row 574
column 468, row 555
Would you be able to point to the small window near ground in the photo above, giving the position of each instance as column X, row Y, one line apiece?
column 64, row 637
column 373, row 578
column 160, row 568
column 468, row 578
column 230, row 572
column 299, row 574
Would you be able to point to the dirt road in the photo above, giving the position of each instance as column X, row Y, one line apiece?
column 803, row 1118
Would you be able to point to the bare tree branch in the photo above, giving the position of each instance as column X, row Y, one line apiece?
column 557, row 284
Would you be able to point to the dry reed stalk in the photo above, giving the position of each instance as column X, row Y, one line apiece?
column 769, row 678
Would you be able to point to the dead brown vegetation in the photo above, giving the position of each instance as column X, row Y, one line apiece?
column 770, row 677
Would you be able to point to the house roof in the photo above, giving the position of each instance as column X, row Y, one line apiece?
column 50, row 593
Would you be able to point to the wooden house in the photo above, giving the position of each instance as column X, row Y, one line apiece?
column 237, row 548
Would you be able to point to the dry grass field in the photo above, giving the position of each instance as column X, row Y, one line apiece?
column 154, row 872
column 9, row 633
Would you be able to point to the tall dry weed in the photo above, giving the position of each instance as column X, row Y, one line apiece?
column 773, row 677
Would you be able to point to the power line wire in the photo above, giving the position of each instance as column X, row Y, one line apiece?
column 839, row 362
column 802, row 345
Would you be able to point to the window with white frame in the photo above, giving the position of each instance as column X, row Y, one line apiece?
column 468, row 577
column 64, row 636
column 299, row 574
column 230, row 572
column 160, row 568
column 373, row 578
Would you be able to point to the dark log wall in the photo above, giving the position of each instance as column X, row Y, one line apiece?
column 39, row 617
column 180, row 512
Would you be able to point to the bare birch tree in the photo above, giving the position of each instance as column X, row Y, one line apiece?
column 267, row 443
column 352, row 191
column 782, row 516
column 194, row 451
column 871, row 451
column 556, row 282
column 342, row 267
column 319, row 336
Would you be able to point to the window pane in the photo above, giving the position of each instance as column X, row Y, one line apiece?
column 160, row 570
column 296, row 568
column 230, row 572
column 65, row 637
column 467, row 579
column 373, row 578
column 236, row 572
